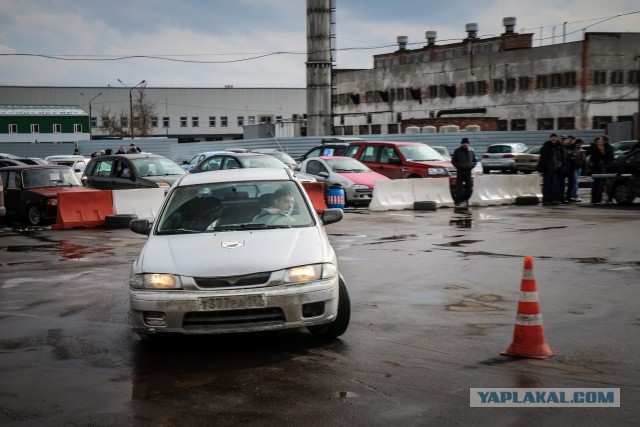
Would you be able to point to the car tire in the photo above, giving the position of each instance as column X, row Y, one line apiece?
column 341, row 322
column 119, row 220
column 486, row 170
column 527, row 200
column 425, row 206
column 34, row 215
column 623, row 193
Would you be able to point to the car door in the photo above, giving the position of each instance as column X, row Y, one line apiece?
column 211, row 164
column 12, row 188
column 383, row 159
column 100, row 175
column 124, row 175
column 315, row 167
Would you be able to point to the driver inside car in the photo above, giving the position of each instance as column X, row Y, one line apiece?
column 282, row 204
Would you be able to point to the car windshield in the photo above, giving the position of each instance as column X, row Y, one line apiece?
column 219, row 207
column 420, row 153
column 157, row 166
column 283, row 157
column 346, row 165
column 49, row 177
column 262, row 161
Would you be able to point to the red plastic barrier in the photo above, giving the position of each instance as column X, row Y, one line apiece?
column 83, row 209
column 315, row 190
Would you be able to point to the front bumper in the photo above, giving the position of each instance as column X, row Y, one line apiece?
column 358, row 196
column 192, row 312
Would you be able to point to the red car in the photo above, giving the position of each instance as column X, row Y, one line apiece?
column 399, row 160
column 31, row 191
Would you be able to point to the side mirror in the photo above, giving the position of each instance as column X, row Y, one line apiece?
column 331, row 215
column 324, row 174
column 140, row 226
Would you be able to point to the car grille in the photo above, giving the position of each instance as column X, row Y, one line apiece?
column 232, row 281
column 198, row 319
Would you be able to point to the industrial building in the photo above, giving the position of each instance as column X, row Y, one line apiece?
column 497, row 83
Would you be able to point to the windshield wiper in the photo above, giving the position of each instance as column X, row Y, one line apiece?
column 179, row 231
column 249, row 227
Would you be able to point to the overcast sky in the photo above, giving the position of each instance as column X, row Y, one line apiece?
column 229, row 33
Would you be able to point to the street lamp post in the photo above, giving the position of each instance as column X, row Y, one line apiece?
column 131, row 104
column 90, row 116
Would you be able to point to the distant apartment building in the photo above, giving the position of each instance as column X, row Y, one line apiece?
column 497, row 83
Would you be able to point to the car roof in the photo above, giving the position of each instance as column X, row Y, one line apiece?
column 130, row 156
column 234, row 154
column 387, row 143
column 332, row 158
column 24, row 167
column 64, row 157
column 231, row 175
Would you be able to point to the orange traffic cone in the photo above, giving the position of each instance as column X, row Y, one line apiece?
column 528, row 338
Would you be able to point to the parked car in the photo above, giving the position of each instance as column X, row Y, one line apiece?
column 8, row 156
column 31, row 191
column 527, row 161
column 444, row 151
column 230, row 160
column 354, row 177
column 399, row 160
column 502, row 157
column 188, row 165
column 331, row 146
column 212, row 264
column 10, row 162
column 31, row 160
column 624, row 186
column 124, row 171
column 280, row 155
column 77, row 163
column 623, row 147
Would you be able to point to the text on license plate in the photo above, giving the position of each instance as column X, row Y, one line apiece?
column 233, row 302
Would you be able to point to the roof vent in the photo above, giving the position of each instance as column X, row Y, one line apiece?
column 509, row 24
column 402, row 42
column 472, row 30
column 431, row 37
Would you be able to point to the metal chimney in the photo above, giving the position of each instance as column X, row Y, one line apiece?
column 402, row 42
column 472, row 30
column 431, row 37
column 509, row 24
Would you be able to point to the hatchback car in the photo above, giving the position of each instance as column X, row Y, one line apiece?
column 213, row 264
column 527, row 161
column 188, row 165
column 77, row 163
column 280, row 155
column 623, row 147
column 31, row 191
column 624, row 185
column 331, row 146
column 230, row 160
column 355, row 178
column 125, row 171
column 502, row 157
column 400, row 160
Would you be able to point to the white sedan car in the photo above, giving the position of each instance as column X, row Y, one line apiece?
column 213, row 264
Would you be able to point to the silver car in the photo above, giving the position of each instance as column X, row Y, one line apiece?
column 502, row 157
column 213, row 264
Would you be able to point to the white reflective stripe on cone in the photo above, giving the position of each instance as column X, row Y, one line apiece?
column 529, row 296
column 529, row 320
column 527, row 274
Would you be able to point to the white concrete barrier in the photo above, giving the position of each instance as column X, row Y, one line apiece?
column 144, row 202
column 503, row 189
column 394, row 194
column 433, row 190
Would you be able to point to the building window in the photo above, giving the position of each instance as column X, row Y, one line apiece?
column 376, row 129
column 503, row 125
column 599, row 77
column 482, row 87
column 470, row 88
column 392, row 128
column 634, row 77
column 511, row 84
column 523, row 83
column 400, row 94
column 251, row 120
column 94, row 122
column 447, row 91
column 212, row 121
column 566, row 123
column 13, row 128
column 518, row 124
column 166, row 122
column 433, row 91
column 124, row 121
column 183, row 122
column 625, row 118
column 498, row 86
column 77, row 128
column 224, row 121
column 240, row 121
column 556, row 81
column 35, row 128
column 57, row 128
column 363, row 130
column 617, row 77
column 601, row 122
column 399, row 116
column 195, row 122
column 154, row 122
column 545, row 124
column 278, row 119
column 369, row 118
column 542, row 82
column 570, row 79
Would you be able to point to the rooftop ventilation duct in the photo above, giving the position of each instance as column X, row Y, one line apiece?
column 509, row 24
column 402, row 42
column 431, row 37
column 472, row 30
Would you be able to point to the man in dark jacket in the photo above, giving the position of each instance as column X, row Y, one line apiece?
column 464, row 160
column 552, row 165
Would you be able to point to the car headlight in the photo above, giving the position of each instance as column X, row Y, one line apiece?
column 308, row 273
column 155, row 281
column 359, row 187
column 437, row 171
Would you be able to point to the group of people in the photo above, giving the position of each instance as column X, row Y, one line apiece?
column 561, row 163
column 133, row 149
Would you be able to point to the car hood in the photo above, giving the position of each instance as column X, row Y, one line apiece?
column 364, row 178
column 168, row 179
column 53, row 191
column 431, row 163
column 233, row 253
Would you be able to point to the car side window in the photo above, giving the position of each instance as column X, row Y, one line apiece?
column 313, row 153
column 212, row 164
column 314, row 167
column 352, row 150
column 369, row 153
column 231, row 163
column 387, row 154
column 103, row 168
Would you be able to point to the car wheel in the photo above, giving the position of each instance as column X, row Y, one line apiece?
column 119, row 220
column 526, row 172
column 341, row 322
column 34, row 215
column 623, row 193
column 486, row 170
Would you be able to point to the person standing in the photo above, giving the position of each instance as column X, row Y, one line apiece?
column 464, row 160
column 121, row 150
column 576, row 161
column 601, row 155
column 551, row 166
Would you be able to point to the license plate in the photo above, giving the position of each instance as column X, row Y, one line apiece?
column 233, row 303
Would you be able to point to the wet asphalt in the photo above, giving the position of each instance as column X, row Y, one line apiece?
column 434, row 298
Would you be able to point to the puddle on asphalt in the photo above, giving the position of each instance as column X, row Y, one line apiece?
column 528, row 230
column 471, row 307
column 464, row 223
column 590, row 260
column 69, row 251
column 486, row 325
column 399, row 237
column 31, row 248
column 457, row 243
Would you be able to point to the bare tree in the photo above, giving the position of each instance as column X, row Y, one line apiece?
column 113, row 124
column 117, row 125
